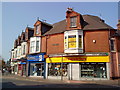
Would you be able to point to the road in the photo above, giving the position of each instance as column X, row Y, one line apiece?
column 14, row 83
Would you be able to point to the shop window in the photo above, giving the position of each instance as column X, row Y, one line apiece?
column 55, row 69
column 73, row 21
column 93, row 70
column 37, row 45
column 37, row 69
column 112, row 44
column 72, row 41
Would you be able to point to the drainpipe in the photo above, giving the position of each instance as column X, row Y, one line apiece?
column 110, row 70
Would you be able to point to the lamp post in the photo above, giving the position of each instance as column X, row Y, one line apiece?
column 61, row 68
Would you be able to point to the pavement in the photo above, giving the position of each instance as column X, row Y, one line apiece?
column 38, row 79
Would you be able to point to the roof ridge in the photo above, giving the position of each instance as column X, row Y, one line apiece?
column 59, row 22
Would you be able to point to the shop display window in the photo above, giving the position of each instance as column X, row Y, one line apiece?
column 93, row 70
column 55, row 69
column 37, row 69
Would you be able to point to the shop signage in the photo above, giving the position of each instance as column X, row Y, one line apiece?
column 38, row 57
column 78, row 59
column 22, row 62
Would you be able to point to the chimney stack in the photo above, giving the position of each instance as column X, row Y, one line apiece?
column 118, row 25
column 69, row 9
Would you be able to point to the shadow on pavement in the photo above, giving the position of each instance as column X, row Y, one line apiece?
column 10, row 85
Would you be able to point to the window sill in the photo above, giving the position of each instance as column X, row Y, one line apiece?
column 113, row 51
column 73, row 26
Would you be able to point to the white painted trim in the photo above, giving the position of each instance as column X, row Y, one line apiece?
column 35, row 39
column 108, row 70
column 46, row 73
column 77, row 49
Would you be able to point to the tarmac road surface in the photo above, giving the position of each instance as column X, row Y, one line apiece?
column 16, row 83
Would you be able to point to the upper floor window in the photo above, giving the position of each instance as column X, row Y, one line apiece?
column 80, row 41
column 19, row 51
column 73, row 21
column 37, row 45
column 16, row 54
column 37, row 29
column 72, row 41
column 32, row 46
column 112, row 41
column 26, row 35
column 23, row 49
column 12, row 56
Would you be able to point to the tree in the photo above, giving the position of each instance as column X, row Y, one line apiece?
column 2, row 62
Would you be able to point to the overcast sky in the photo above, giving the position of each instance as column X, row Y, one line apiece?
column 17, row 15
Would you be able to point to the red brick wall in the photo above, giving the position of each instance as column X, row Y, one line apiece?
column 114, row 65
column 71, row 14
column 28, row 46
column 118, row 44
column 55, row 44
column 43, row 44
column 102, row 41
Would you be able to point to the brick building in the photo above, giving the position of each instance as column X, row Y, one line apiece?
column 80, row 47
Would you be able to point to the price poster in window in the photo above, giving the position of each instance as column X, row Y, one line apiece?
column 65, row 43
column 72, row 41
column 80, row 41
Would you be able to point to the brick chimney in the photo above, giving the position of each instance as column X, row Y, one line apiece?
column 74, row 20
column 118, row 25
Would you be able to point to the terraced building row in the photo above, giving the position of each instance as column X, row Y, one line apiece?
column 80, row 47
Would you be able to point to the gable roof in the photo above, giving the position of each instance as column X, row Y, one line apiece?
column 94, row 22
column 57, row 28
column 91, row 23
column 43, row 23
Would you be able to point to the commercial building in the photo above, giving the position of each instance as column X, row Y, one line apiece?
column 80, row 47
column 35, row 58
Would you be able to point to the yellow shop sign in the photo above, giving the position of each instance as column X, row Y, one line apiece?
column 78, row 59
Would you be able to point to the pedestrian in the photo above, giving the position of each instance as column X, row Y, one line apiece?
column 10, row 70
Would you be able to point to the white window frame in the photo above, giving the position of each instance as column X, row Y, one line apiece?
column 37, row 45
column 77, row 49
column 33, row 48
column 37, row 29
column 73, row 21
column 114, row 48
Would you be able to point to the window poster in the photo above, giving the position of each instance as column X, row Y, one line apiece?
column 80, row 41
column 65, row 42
column 72, row 41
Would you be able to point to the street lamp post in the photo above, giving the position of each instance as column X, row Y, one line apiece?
column 62, row 68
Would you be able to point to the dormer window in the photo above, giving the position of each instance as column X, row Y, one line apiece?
column 112, row 41
column 73, row 21
column 37, row 29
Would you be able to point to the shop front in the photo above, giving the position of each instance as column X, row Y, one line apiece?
column 36, row 65
column 78, row 67
column 23, row 70
column 19, row 69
